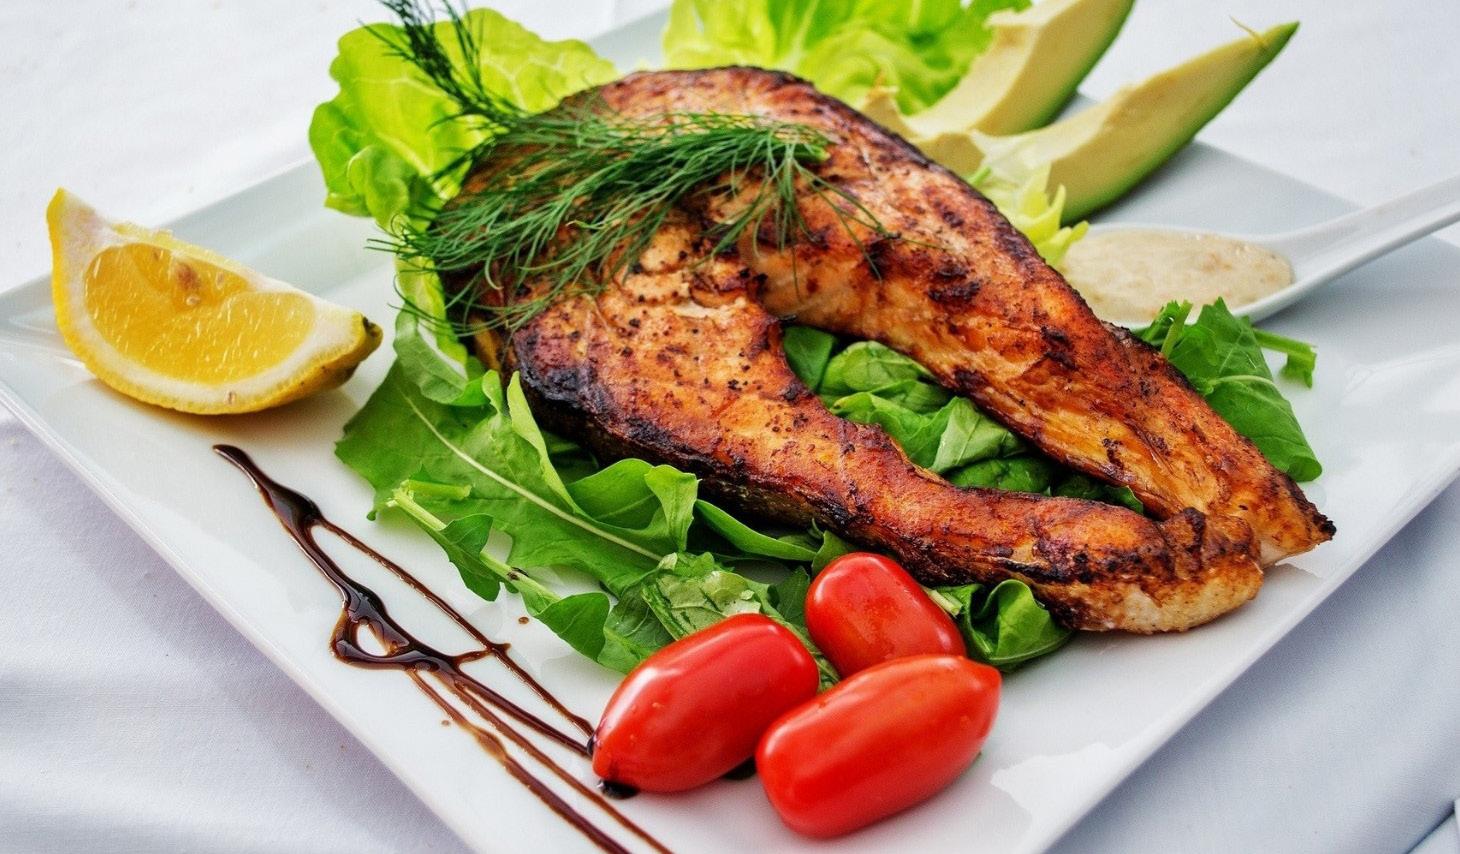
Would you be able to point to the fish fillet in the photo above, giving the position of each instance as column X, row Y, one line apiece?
column 960, row 290
column 680, row 360
column 680, row 363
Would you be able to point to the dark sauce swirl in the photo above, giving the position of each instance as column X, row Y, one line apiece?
column 364, row 609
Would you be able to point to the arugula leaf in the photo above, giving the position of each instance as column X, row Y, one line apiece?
column 695, row 598
column 631, row 633
column 750, row 542
column 1002, row 624
column 445, row 443
column 461, row 472
column 922, row 47
column 789, row 596
column 1221, row 354
column 400, row 432
column 1301, row 359
column 384, row 139
column 618, row 636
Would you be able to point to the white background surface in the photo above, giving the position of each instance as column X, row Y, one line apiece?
column 133, row 718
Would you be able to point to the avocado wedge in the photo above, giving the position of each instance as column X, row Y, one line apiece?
column 1036, row 58
column 1101, row 152
column 1098, row 154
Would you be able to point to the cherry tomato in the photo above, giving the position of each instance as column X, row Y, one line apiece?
column 877, row 743
column 864, row 609
column 695, row 709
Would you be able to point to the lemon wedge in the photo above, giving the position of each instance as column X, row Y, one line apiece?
column 182, row 327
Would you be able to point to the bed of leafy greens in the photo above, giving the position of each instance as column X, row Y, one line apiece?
column 454, row 447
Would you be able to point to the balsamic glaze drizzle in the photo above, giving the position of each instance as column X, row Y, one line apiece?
column 364, row 609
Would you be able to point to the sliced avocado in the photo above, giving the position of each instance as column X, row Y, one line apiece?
column 1035, row 60
column 1100, row 153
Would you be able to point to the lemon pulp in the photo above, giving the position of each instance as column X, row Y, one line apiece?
column 190, row 319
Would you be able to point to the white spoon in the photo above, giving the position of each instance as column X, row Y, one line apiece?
column 1320, row 253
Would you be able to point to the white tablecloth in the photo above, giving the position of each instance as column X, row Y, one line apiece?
column 133, row 718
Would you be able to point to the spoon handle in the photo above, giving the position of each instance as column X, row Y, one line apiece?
column 1333, row 248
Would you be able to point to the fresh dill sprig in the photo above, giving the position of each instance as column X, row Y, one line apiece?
column 580, row 191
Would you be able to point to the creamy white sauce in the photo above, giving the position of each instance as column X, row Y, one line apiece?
column 1129, row 274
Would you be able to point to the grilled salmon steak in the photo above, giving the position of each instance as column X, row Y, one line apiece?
column 680, row 360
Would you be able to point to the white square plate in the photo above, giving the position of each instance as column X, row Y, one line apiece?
column 1382, row 418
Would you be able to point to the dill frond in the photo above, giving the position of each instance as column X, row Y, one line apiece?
column 583, row 190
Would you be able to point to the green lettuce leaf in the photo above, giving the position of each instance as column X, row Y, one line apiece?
column 871, row 383
column 384, row 139
column 922, row 47
column 808, row 351
column 499, row 454
column 1221, row 354
column 1030, row 208
column 914, row 50
column 1002, row 624
column 462, row 471
column 429, row 353
column 748, row 541
column 444, row 442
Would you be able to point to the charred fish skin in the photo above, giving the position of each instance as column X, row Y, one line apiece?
column 678, row 362
column 963, row 292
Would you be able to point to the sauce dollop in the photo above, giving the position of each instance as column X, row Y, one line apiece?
column 1128, row 275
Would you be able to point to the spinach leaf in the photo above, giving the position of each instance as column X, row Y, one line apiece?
column 1003, row 624
column 971, row 436
column 807, row 352
column 919, row 434
column 1030, row 472
column 868, row 366
column 1076, row 485
column 1222, row 357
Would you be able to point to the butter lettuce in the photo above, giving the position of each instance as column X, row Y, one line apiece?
column 1031, row 208
column 386, row 144
column 922, row 47
column 384, row 139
